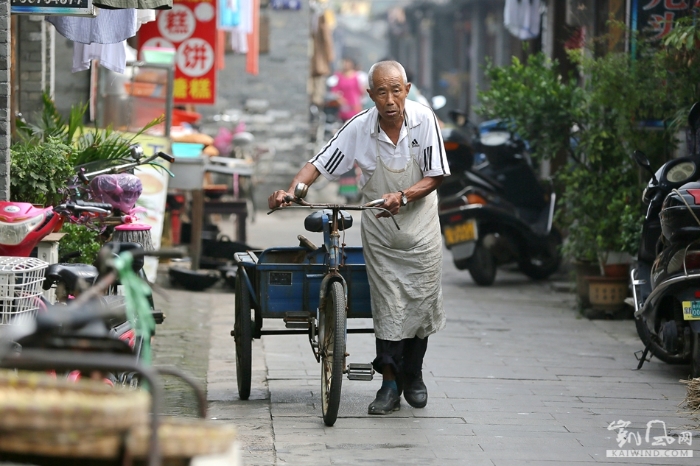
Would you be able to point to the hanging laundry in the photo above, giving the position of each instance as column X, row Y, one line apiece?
column 322, row 54
column 236, row 18
column 138, row 4
column 522, row 18
column 253, row 39
column 111, row 56
column 229, row 14
column 144, row 16
column 108, row 27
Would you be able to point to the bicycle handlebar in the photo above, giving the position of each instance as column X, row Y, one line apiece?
column 301, row 203
column 85, row 206
column 137, row 155
column 166, row 157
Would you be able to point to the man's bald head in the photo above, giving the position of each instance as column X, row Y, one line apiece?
column 385, row 65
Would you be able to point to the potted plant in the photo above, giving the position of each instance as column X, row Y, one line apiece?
column 594, row 122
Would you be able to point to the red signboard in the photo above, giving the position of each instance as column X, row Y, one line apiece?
column 189, row 28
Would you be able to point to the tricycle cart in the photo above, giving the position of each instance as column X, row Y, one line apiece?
column 314, row 290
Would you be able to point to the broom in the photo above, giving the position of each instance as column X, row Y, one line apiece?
column 134, row 233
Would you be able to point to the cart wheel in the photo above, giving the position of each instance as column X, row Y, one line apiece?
column 242, row 331
column 332, row 328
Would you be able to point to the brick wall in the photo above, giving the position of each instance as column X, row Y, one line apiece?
column 33, row 70
column 4, row 100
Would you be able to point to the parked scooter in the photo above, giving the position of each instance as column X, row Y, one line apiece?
column 496, row 211
column 666, row 275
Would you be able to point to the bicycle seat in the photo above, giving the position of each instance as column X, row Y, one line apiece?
column 314, row 222
column 69, row 274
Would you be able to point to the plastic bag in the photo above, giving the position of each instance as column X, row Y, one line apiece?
column 121, row 191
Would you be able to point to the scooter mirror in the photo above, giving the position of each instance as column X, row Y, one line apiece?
column 438, row 102
column 300, row 190
column 641, row 160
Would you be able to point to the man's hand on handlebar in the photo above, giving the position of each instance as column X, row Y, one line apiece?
column 279, row 198
column 392, row 203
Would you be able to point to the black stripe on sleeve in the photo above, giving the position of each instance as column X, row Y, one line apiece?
column 441, row 148
column 338, row 134
column 331, row 161
column 337, row 162
column 428, row 158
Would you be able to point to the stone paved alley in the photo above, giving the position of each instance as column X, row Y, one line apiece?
column 517, row 377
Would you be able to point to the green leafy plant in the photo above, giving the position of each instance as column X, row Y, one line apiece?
column 51, row 124
column 39, row 171
column 534, row 100
column 597, row 122
column 679, row 54
column 80, row 239
column 90, row 144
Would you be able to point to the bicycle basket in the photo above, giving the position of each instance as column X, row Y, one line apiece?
column 20, row 286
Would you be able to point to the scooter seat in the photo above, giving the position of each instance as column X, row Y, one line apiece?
column 70, row 274
column 314, row 222
column 685, row 234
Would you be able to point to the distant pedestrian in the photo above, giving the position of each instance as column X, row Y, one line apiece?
column 349, row 88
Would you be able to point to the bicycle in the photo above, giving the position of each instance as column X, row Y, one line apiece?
column 314, row 289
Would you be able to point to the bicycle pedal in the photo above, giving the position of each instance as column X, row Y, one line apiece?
column 359, row 371
column 297, row 319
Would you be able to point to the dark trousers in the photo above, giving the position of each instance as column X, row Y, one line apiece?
column 404, row 356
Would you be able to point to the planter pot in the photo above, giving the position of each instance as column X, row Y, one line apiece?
column 607, row 293
column 582, row 270
column 617, row 270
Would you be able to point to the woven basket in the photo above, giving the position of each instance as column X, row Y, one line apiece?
column 184, row 438
column 72, row 444
column 30, row 400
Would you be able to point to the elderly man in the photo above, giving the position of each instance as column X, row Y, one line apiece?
column 398, row 147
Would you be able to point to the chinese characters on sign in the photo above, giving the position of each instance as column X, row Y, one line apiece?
column 656, row 16
column 190, row 29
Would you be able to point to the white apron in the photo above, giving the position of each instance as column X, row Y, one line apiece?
column 404, row 267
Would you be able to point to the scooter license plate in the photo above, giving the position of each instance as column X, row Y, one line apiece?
column 466, row 231
column 691, row 310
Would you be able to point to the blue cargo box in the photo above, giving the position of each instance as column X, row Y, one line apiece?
column 289, row 279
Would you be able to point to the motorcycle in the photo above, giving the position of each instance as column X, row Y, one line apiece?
column 665, row 277
column 493, row 210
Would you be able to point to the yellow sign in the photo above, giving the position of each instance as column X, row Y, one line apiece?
column 466, row 231
column 691, row 310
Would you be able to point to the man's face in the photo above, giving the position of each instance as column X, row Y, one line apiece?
column 389, row 93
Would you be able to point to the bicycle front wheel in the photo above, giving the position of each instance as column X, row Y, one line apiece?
column 332, row 330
